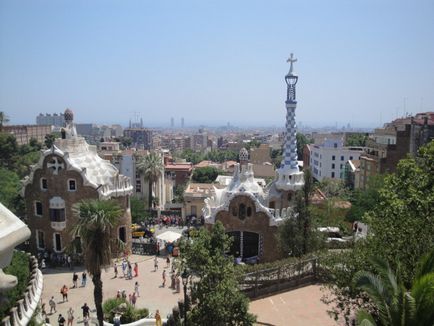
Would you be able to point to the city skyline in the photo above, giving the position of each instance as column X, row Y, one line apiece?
column 214, row 63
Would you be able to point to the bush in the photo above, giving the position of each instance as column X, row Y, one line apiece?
column 205, row 175
column 20, row 268
column 244, row 269
column 128, row 312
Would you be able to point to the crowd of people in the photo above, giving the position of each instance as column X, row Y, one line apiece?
column 122, row 269
column 48, row 258
column 64, row 290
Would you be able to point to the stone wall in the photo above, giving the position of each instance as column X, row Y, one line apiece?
column 258, row 222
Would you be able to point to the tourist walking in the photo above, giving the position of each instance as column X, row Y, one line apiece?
column 69, row 260
column 124, row 267
column 136, row 289
column 155, row 264
column 130, row 271
column 167, row 262
column 178, row 284
column 74, row 280
column 43, row 311
column 115, row 268
column 61, row 320
column 172, row 284
column 83, row 279
column 85, row 308
column 133, row 299
column 70, row 316
column 52, row 305
column 157, row 318
column 136, row 270
column 64, row 292
column 164, row 278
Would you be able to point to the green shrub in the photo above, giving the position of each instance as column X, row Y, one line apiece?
column 20, row 268
column 242, row 269
column 128, row 312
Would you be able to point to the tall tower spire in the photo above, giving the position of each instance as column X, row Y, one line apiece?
column 289, row 176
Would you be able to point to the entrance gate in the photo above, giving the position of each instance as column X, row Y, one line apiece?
column 245, row 244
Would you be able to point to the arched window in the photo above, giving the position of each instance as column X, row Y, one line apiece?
column 57, row 209
column 123, row 234
column 289, row 196
column 242, row 211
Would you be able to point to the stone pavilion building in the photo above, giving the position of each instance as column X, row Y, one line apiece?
column 68, row 172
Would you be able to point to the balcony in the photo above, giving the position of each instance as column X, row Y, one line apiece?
column 24, row 309
column 58, row 226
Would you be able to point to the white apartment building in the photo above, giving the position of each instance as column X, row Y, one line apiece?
column 126, row 161
column 328, row 159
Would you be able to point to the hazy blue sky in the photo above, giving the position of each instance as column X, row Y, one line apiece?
column 216, row 61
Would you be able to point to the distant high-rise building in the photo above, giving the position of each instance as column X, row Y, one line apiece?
column 182, row 122
column 140, row 137
column 219, row 142
column 200, row 140
column 24, row 133
column 172, row 122
column 50, row 119
column 136, row 123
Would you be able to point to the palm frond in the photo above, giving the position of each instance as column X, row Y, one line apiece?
column 96, row 219
column 386, row 273
column 409, row 309
column 364, row 318
column 423, row 293
column 374, row 287
column 426, row 265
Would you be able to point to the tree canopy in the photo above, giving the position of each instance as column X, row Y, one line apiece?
column 393, row 303
column 138, row 211
column 215, row 289
column 206, row 174
column 215, row 155
column 151, row 167
column 357, row 140
column 15, row 163
column 401, row 228
column 96, row 220
column 301, row 141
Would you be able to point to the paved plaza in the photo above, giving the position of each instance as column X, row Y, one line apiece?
column 298, row 307
column 152, row 295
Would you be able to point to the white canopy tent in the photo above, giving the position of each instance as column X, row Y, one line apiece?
column 168, row 236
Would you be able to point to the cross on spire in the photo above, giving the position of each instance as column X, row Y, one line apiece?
column 291, row 59
column 55, row 165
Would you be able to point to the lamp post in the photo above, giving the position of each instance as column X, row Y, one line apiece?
column 184, row 277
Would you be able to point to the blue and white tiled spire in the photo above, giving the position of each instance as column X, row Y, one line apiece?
column 289, row 176
column 290, row 147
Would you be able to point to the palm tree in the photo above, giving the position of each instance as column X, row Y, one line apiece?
column 96, row 219
column 151, row 167
column 395, row 304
